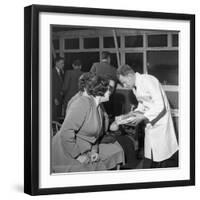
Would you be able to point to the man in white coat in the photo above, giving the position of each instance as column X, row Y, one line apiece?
column 160, row 141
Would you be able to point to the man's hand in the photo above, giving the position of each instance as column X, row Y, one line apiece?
column 139, row 117
column 83, row 159
column 114, row 126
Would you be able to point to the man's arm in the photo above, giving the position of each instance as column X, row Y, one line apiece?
column 66, row 82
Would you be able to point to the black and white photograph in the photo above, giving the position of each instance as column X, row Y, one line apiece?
column 109, row 100
column 115, row 99
column 100, row 100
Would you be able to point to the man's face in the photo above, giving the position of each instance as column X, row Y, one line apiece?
column 60, row 64
column 127, row 81
column 111, row 86
column 76, row 66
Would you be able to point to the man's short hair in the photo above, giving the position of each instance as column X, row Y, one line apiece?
column 124, row 70
column 77, row 62
column 58, row 58
column 105, row 55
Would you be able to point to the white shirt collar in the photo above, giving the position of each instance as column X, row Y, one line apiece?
column 104, row 60
column 58, row 70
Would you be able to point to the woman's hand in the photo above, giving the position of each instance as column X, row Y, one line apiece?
column 83, row 158
column 94, row 156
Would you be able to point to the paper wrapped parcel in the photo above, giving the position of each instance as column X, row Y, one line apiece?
column 126, row 118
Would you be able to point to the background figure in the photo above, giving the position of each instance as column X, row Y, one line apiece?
column 160, row 141
column 57, row 83
column 104, row 68
column 70, row 85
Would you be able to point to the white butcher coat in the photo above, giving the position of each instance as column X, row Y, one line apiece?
column 160, row 138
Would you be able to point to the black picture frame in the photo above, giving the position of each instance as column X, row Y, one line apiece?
column 31, row 98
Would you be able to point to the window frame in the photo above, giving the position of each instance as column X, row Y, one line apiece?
column 121, row 33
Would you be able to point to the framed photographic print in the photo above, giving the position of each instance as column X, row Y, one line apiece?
column 109, row 99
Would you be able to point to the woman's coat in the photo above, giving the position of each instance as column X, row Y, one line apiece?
column 79, row 134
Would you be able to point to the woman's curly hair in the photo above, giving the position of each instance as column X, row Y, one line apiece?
column 93, row 84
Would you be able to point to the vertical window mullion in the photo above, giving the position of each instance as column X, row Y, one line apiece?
column 122, row 50
column 100, row 46
column 81, row 43
column 145, row 53
column 169, row 40
column 61, row 49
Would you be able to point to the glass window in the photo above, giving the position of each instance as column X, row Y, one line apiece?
column 173, row 99
column 175, row 40
column 56, row 44
column 108, row 42
column 135, row 60
column 157, row 40
column 163, row 65
column 134, row 41
column 113, row 61
column 91, row 43
column 87, row 59
column 72, row 43
column 57, row 55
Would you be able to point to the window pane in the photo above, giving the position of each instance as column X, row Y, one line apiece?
column 163, row 65
column 173, row 99
column 56, row 44
column 91, row 43
column 87, row 59
column 175, row 40
column 134, row 41
column 135, row 60
column 113, row 61
column 72, row 43
column 157, row 40
column 57, row 55
column 108, row 42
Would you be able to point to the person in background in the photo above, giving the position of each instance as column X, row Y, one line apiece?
column 160, row 142
column 57, row 84
column 70, row 85
column 104, row 68
column 77, row 147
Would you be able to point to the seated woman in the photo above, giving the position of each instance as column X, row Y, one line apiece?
column 76, row 147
